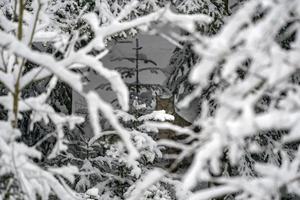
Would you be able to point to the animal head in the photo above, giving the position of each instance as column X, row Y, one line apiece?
column 165, row 103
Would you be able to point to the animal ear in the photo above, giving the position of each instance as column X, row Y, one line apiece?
column 172, row 98
column 156, row 96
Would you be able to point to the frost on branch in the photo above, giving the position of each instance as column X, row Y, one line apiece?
column 47, row 41
column 252, row 59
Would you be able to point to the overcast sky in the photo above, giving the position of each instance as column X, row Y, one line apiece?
column 154, row 47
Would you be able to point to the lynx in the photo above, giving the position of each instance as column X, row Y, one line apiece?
column 167, row 104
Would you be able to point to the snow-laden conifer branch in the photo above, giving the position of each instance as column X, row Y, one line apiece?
column 38, row 21
column 249, row 62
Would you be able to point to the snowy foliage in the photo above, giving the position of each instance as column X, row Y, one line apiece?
column 248, row 147
column 149, row 189
column 254, row 55
column 107, row 167
column 217, row 9
column 61, row 25
column 184, row 57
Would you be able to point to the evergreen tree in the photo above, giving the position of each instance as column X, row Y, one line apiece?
column 184, row 57
column 29, row 75
column 107, row 170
